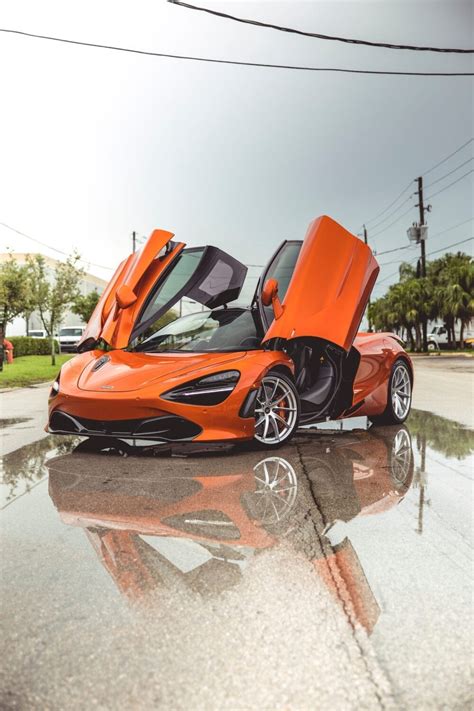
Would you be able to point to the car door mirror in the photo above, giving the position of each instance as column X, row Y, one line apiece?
column 125, row 296
column 270, row 297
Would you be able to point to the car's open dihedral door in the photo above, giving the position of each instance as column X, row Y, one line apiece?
column 107, row 320
column 153, row 280
column 326, row 292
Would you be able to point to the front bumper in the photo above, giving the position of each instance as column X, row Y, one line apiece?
column 128, row 416
column 167, row 428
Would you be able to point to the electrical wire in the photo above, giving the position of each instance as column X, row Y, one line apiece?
column 392, row 223
column 391, row 204
column 454, row 244
column 453, row 227
column 396, row 249
column 210, row 60
column 436, row 251
column 374, row 227
column 54, row 249
column 450, row 184
column 448, row 157
column 316, row 35
column 438, row 180
column 437, row 234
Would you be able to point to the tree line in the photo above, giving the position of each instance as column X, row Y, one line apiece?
column 33, row 286
column 446, row 293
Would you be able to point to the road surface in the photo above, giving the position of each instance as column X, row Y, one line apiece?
column 334, row 573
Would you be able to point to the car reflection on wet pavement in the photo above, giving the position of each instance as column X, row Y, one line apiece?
column 333, row 571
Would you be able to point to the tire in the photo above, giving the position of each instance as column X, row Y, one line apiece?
column 399, row 396
column 432, row 346
column 277, row 411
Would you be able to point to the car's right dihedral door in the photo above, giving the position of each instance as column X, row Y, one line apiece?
column 329, row 286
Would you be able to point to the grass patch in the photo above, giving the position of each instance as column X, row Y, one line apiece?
column 27, row 370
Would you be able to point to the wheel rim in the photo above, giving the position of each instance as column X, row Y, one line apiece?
column 401, row 391
column 401, row 457
column 276, row 410
column 276, row 488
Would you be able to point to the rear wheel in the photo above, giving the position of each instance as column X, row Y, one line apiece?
column 399, row 396
column 277, row 410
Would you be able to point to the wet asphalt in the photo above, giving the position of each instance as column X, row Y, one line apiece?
column 336, row 571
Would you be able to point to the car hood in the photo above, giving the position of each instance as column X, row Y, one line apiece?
column 124, row 371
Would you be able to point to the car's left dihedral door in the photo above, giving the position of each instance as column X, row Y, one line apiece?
column 153, row 280
column 206, row 275
column 113, row 317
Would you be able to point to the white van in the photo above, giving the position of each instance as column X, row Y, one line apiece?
column 69, row 337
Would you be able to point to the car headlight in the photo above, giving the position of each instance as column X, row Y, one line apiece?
column 55, row 386
column 210, row 390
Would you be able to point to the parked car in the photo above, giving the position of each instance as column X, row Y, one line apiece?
column 69, row 337
column 293, row 357
column 37, row 333
column 438, row 338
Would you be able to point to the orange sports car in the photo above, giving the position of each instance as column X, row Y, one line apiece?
column 294, row 357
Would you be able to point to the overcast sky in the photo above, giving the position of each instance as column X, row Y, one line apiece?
column 94, row 143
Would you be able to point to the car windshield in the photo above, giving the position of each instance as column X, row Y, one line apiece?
column 220, row 330
column 70, row 332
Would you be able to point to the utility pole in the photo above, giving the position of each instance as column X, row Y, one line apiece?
column 368, row 303
column 422, row 209
column 134, row 241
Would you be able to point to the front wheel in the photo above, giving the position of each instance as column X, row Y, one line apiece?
column 399, row 396
column 277, row 411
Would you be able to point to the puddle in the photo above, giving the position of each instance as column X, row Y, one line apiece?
column 342, row 549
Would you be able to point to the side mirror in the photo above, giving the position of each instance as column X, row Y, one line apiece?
column 270, row 297
column 125, row 296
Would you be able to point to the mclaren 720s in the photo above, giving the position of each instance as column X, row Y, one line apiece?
column 292, row 358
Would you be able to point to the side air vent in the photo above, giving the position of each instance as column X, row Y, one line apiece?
column 102, row 361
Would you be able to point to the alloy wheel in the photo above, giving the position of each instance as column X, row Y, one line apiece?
column 276, row 410
column 401, row 391
column 401, row 457
column 276, row 486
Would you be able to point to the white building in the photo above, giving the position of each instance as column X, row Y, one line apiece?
column 89, row 282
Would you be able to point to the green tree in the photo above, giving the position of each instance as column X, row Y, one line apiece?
column 53, row 294
column 84, row 305
column 446, row 292
column 453, row 279
column 15, row 297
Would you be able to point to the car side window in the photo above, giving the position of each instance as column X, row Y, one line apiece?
column 282, row 269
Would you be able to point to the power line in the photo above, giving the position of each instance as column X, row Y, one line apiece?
column 448, row 157
column 437, row 234
column 316, row 35
column 211, row 60
column 391, row 204
column 394, row 212
column 438, row 180
column 455, row 244
column 396, row 249
column 436, row 251
column 453, row 227
column 54, row 249
column 450, row 184
column 393, row 223
column 426, row 173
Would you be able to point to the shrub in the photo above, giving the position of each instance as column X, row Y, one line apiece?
column 24, row 345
